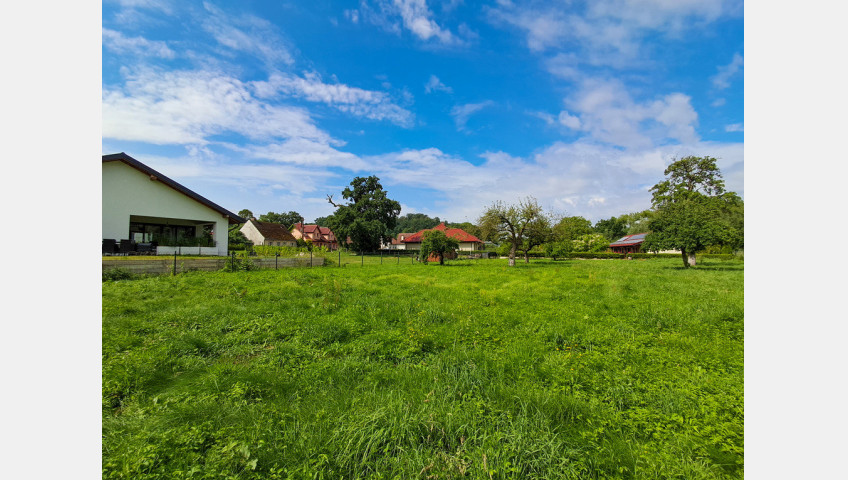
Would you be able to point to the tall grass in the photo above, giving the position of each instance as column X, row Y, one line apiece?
column 570, row 369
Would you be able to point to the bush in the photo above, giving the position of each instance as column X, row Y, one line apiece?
column 114, row 274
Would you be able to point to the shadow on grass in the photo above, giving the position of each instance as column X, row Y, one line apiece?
column 710, row 267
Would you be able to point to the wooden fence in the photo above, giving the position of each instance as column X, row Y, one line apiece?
column 166, row 264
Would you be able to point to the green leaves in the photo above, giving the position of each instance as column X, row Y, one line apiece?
column 369, row 216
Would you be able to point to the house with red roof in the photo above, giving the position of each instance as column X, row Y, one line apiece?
column 467, row 242
column 319, row 236
column 397, row 242
column 628, row 243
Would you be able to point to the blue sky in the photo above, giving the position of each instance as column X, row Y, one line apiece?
column 271, row 106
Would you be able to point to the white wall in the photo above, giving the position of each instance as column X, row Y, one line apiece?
column 127, row 191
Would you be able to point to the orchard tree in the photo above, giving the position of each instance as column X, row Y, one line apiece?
column 369, row 216
column 507, row 223
column 693, row 211
column 435, row 242
column 538, row 232
column 590, row 242
column 285, row 219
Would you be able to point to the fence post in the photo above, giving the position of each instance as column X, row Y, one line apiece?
column 361, row 259
column 175, row 262
column 233, row 262
column 276, row 256
column 381, row 257
column 340, row 257
column 398, row 257
column 310, row 259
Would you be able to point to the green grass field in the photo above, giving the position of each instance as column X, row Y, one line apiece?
column 569, row 369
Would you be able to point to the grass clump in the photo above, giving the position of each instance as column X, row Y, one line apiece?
column 568, row 369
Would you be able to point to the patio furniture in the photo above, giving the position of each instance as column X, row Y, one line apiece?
column 110, row 246
column 127, row 247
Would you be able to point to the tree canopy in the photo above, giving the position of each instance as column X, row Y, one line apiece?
column 286, row 219
column 508, row 223
column 367, row 218
column 245, row 214
column 693, row 210
column 414, row 222
column 569, row 228
column 435, row 242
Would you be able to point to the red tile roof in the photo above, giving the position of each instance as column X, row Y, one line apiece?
column 457, row 233
column 316, row 233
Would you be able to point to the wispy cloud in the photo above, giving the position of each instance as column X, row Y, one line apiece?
column 248, row 34
column 118, row 43
column 609, row 32
column 369, row 104
column 725, row 74
column 461, row 113
column 735, row 127
column 411, row 15
column 434, row 84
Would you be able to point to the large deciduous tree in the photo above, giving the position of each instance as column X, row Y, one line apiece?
column 508, row 223
column 368, row 217
column 693, row 210
column 414, row 222
column 569, row 228
column 435, row 242
column 285, row 219
column 245, row 214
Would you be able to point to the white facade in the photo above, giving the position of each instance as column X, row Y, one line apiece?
column 250, row 231
column 130, row 195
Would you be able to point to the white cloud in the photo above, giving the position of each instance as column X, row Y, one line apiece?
column 352, row 15
column 247, row 33
column 355, row 101
column 183, row 107
column 609, row 31
column 718, row 102
column 461, row 113
column 721, row 80
column 568, row 120
column 414, row 16
column 120, row 44
column 735, row 127
column 609, row 114
column 434, row 84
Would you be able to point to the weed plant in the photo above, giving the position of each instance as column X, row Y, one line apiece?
column 569, row 369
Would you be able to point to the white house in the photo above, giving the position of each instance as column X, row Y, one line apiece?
column 143, row 206
column 267, row 233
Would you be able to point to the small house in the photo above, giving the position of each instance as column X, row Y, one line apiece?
column 628, row 243
column 145, row 211
column 318, row 236
column 268, row 233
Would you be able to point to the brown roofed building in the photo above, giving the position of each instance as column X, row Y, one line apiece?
column 267, row 233
column 319, row 236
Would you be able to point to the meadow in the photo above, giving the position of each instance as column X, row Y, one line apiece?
column 568, row 369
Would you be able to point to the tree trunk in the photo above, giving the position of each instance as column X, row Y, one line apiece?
column 441, row 259
column 527, row 257
column 512, row 256
column 692, row 259
column 685, row 258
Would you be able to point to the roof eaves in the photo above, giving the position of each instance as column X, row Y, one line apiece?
column 232, row 218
